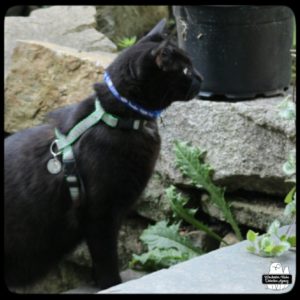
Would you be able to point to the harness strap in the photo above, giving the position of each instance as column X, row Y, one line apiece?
column 64, row 144
column 70, row 169
column 81, row 127
column 92, row 119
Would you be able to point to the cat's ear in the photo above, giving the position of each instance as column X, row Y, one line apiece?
column 158, row 29
column 163, row 55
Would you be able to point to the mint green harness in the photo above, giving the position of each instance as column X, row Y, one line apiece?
column 64, row 144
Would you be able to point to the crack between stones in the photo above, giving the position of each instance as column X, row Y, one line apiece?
column 81, row 28
column 267, row 126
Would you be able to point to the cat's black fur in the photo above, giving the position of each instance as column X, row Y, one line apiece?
column 41, row 222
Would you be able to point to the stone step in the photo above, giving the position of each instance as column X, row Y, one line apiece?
column 228, row 270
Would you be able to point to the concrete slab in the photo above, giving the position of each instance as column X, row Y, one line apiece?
column 228, row 270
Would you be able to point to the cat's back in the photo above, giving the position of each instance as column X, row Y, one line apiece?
column 26, row 153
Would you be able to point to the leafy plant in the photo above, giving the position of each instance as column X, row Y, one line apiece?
column 157, row 259
column 189, row 160
column 166, row 247
column 165, row 244
column 177, row 202
column 290, row 200
column 127, row 42
column 270, row 243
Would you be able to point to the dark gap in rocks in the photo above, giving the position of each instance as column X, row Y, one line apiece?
column 254, row 197
column 241, row 196
column 134, row 216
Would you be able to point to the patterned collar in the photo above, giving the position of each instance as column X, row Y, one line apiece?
column 134, row 106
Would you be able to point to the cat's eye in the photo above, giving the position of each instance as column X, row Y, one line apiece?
column 186, row 71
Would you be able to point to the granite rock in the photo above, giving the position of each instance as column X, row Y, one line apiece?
column 71, row 26
column 46, row 76
column 247, row 143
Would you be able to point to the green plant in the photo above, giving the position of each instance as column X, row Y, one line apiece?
column 165, row 244
column 290, row 200
column 177, row 202
column 166, row 247
column 127, row 42
column 189, row 160
column 270, row 243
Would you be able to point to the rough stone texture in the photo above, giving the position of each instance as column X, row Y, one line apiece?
column 247, row 142
column 71, row 26
column 229, row 270
column 46, row 76
column 230, row 238
column 129, row 242
column 203, row 241
column 113, row 20
column 153, row 204
column 80, row 256
column 257, row 213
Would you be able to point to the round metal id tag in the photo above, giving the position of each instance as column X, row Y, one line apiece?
column 54, row 166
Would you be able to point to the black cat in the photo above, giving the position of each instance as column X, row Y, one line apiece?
column 42, row 224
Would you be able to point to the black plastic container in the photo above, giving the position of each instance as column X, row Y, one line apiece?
column 242, row 51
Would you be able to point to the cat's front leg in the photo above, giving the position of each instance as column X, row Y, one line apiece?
column 101, row 238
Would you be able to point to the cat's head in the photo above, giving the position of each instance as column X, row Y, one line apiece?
column 155, row 72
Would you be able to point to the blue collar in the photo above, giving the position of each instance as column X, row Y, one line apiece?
column 130, row 104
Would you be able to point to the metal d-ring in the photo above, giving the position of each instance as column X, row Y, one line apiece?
column 54, row 154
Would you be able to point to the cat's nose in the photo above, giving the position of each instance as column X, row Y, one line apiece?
column 198, row 76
